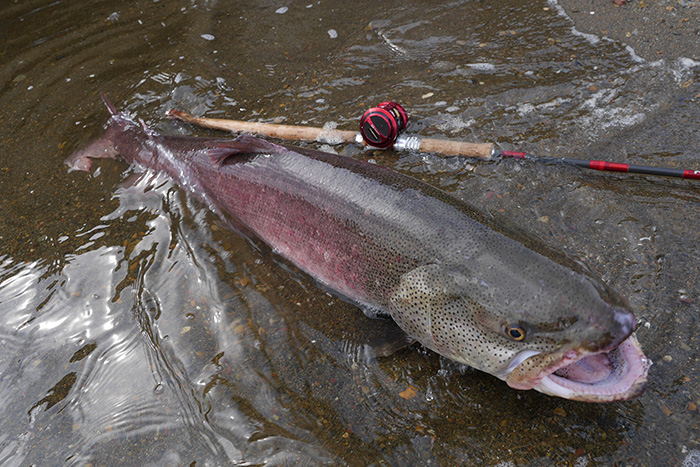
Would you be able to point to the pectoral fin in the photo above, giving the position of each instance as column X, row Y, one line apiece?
column 390, row 343
column 244, row 144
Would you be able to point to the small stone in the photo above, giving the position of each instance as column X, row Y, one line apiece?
column 668, row 412
column 559, row 411
column 667, row 359
column 692, row 406
column 426, row 96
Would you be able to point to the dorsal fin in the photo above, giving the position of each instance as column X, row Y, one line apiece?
column 244, row 144
column 112, row 110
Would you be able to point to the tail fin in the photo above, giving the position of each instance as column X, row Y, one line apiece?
column 108, row 103
column 100, row 148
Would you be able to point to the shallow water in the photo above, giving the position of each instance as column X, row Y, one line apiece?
column 137, row 330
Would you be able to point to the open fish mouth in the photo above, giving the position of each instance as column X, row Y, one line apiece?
column 606, row 376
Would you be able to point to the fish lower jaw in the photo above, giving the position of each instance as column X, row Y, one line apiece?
column 619, row 374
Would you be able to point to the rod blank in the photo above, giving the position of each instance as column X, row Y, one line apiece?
column 611, row 166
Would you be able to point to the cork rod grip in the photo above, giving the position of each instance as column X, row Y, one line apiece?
column 457, row 148
column 290, row 132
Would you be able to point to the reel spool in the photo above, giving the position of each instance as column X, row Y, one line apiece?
column 380, row 125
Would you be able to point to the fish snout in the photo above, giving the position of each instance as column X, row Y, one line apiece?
column 626, row 319
column 622, row 326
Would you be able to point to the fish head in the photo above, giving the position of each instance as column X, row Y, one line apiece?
column 571, row 337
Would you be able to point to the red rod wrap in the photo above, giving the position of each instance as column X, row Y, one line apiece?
column 612, row 166
column 519, row 155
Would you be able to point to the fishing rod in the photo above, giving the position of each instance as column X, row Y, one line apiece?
column 380, row 127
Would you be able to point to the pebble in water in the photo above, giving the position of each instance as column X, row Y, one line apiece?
column 692, row 459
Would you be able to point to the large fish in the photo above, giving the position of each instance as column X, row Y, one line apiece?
column 459, row 282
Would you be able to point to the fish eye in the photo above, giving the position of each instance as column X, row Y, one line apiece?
column 515, row 331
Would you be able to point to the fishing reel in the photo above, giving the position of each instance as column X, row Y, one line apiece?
column 380, row 125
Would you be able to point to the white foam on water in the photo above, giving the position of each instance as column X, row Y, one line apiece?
column 692, row 459
column 602, row 114
column 454, row 123
column 687, row 63
column 603, row 119
column 591, row 38
column 527, row 108
column 327, row 148
column 634, row 55
column 330, row 135
column 482, row 66
column 682, row 68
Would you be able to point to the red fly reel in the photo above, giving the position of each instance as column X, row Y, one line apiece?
column 380, row 125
